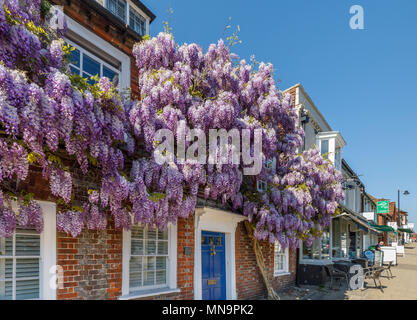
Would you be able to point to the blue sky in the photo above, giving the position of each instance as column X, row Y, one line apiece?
column 363, row 81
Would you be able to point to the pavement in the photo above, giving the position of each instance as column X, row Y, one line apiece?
column 403, row 286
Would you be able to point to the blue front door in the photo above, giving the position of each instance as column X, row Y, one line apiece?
column 213, row 263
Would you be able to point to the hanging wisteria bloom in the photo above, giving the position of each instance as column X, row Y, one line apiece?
column 50, row 117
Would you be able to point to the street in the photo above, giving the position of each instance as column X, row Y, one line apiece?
column 403, row 286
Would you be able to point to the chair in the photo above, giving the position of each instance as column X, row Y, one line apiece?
column 336, row 274
column 376, row 267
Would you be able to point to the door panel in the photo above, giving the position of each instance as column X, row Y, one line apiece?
column 213, row 265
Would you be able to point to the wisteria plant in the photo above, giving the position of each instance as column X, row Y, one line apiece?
column 45, row 110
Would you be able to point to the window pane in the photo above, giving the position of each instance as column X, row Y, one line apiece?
column 6, row 269
column 151, row 234
column 6, row 246
column 324, row 146
column 88, row 77
column 6, row 290
column 137, row 232
column 325, row 244
column 149, row 278
column 163, row 247
column 27, row 268
column 161, row 263
column 135, row 279
column 137, row 247
column 75, row 57
column 74, row 70
column 117, row 7
column 136, row 264
column 163, row 235
column 28, row 244
column 91, row 66
column 137, row 22
column 161, row 277
column 109, row 73
column 150, row 263
column 27, row 289
column 150, row 247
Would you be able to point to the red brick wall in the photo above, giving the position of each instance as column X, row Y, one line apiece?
column 249, row 282
column 92, row 264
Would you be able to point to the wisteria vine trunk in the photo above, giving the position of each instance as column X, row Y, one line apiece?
column 272, row 294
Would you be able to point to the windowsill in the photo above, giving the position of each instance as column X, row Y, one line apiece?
column 148, row 293
column 279, row 274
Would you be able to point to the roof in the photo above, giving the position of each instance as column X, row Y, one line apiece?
column 357, row 219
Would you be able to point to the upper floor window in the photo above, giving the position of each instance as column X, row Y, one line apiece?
column 118, row 8
column 87, row 65
column 261, row 186
column 325, row 147
column 128, row 13
column 137, row 22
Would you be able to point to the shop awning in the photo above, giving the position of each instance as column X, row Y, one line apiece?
column 359, row 222
column 406, row 230
column 382, row 228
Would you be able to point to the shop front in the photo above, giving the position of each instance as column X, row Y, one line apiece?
column 348, row 236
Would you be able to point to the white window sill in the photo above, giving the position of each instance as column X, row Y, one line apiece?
column 148, row 293
column 279, row 274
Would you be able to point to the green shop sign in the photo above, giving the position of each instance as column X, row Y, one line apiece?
column 382, row 207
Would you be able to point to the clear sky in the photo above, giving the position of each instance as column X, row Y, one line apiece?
column 363, row 81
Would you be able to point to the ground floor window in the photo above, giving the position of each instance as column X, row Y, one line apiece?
column 28, row 261
column 281, row 260
column 150, row 258
column 20, row 265
column 320, row 249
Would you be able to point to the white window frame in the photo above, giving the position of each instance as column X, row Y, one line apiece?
column 321, row 260
column 93, row 56
column 261, row 186
column 130, row 5
column 171, row 285
column 126, row 15
column 47, row 258
column 285, row 270
column 125, row 62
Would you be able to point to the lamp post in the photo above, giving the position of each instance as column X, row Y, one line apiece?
column 406, row 193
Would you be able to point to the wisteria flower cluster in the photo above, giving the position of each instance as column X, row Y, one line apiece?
column 46, row 110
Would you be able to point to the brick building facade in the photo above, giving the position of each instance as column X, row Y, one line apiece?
column 98, row 264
